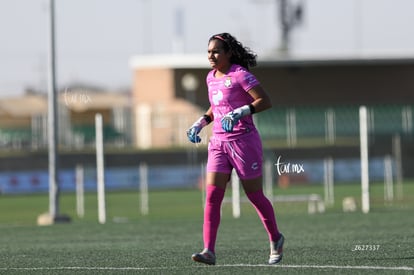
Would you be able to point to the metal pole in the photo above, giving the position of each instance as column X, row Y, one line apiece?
column 396, row 145
column 388, row 180
column 100, row 173
column 143, row 188
column 235, row 194
column 285, row 26
column 268, row 182
column 52, row 121
column 80, row 191
column 329, row 181
column 363, row 126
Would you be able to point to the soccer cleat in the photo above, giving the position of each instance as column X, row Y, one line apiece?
column 206, row 257
column 276, row 250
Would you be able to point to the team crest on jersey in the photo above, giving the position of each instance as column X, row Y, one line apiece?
column 227, row 82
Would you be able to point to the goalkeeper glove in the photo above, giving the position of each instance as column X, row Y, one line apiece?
column 195, row 129
column 230, row 120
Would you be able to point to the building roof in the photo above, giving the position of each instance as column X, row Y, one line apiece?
column 339, row 59
column 179, row 61
column 27, row 105
column 78, row 100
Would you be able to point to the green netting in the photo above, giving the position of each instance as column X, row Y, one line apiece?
column 88, row 132
column 334, row 122
column 15, row 135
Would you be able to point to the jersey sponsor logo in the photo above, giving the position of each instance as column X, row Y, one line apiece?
column 212, row 83
column 255, row 166
column 217, row 97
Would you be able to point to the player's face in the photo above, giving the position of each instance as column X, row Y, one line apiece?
column 219, row 59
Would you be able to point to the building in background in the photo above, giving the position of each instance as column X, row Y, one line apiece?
column 23, row 119
column 313, row 98
column 167, row 90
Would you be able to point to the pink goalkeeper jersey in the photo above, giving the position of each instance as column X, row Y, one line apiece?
column 228, row 93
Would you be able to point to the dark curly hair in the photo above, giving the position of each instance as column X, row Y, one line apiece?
column 241, row 55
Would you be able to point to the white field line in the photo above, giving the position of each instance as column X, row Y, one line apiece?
column 402, row 268
column 407, row 268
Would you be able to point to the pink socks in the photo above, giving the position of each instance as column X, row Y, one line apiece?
column 266, row 213
column 212, row 212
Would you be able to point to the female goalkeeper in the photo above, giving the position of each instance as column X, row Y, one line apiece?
column 235, row 95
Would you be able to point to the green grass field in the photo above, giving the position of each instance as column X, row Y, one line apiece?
column 163, row 241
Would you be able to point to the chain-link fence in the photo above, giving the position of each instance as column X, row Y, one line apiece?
column 291, row 126
column 332, row 125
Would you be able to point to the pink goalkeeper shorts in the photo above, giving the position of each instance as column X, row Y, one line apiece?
column 245, row 155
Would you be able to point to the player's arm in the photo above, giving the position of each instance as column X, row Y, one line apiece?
column 197, row 126
column 261, row 102
column 210, row 113
column 261, row 99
